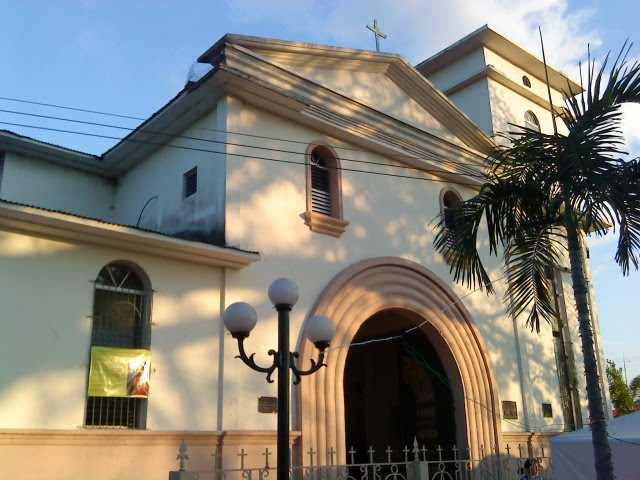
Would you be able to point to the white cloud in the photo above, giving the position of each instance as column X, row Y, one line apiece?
column 418, row 29
column 631, row 129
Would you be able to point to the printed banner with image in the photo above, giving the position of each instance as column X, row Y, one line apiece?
column 119, row 372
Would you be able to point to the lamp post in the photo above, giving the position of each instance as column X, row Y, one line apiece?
column 240, row 318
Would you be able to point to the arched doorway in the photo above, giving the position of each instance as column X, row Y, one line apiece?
column 395, row 390
column 390, row 283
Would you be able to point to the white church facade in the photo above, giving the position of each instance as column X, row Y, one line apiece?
column 325, row 165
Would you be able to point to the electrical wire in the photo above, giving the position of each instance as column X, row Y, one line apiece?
column 419, row 326
column 400, row 339
column 468, row 171
column 463, row 171
column 254, row 157
column 397, row 155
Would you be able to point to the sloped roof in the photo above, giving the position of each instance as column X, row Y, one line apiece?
column 488, row 37
column 50, row 152
column 264, row 69
column 29, row 218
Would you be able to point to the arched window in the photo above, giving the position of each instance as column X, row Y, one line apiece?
column 324, row 191
column 449, row 198
column 531, row 121
column 120, row 340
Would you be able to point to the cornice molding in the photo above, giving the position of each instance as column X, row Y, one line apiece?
column 399, row 71
column 494, row 74
column 333, row 109
column 57, row 225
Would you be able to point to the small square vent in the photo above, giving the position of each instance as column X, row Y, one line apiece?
column 190, row 182
column 547, row 411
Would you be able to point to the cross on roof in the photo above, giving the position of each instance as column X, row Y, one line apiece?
column 377, row 33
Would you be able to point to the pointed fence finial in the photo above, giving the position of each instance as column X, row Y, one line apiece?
column 182, row 455
column 416, row 450
column 266, row 458
column 242, row 454
column 352, row 454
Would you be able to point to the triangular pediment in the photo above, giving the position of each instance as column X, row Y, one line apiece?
column 385, row 83
column 379, row 92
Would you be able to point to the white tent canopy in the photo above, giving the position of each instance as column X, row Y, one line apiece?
column 572, row 452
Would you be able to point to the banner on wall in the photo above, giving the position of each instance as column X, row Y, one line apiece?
column 119, row 372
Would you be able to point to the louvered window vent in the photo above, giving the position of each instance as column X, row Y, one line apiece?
column 320, row 186
column 190, row 182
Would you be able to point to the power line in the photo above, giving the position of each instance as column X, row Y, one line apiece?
column 420, row 359
column 255, row 157
column 464, row 169
column 396, row 156
column 399, row 337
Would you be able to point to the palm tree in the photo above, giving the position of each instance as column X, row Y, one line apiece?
column 542, row 191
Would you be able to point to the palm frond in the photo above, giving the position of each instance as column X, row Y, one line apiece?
column 528, row 260
column 627, row 206
column 456, row 240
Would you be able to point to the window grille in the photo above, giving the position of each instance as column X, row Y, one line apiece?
column 320, row 185
column 531, row 121
column 190, row 182
column 120, row 319
column 526, row 82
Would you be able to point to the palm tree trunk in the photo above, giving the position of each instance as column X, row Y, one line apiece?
column 601, row 449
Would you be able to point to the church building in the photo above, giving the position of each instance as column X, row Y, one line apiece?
column 325, row 165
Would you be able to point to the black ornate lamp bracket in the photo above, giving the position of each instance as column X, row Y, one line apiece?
column 250, row 362
column 315, row 366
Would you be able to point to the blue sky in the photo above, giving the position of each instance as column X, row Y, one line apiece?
column 131, row 57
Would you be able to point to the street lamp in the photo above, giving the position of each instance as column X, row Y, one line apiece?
column 240, row 318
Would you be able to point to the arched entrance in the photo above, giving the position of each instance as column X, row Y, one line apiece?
column 395, row 390
column 389, row 283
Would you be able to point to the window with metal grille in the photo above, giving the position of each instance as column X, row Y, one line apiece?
column 531, row 121
column 120, row 319
column 190, row 182
column 320, row 184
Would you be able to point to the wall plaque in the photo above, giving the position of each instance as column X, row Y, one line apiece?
column 268, row 404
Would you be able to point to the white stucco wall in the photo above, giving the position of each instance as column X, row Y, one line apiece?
column 473, row 101
column 456, row 72
column 46, row 330
column 389, row 216
column 161, row 174
column 43, row 184
column 378, row 91
column 509, row 107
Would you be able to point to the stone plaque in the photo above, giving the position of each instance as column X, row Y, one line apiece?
column 509, row 410
column 268, row 404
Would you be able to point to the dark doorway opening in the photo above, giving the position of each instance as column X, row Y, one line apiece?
column 396, row 391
